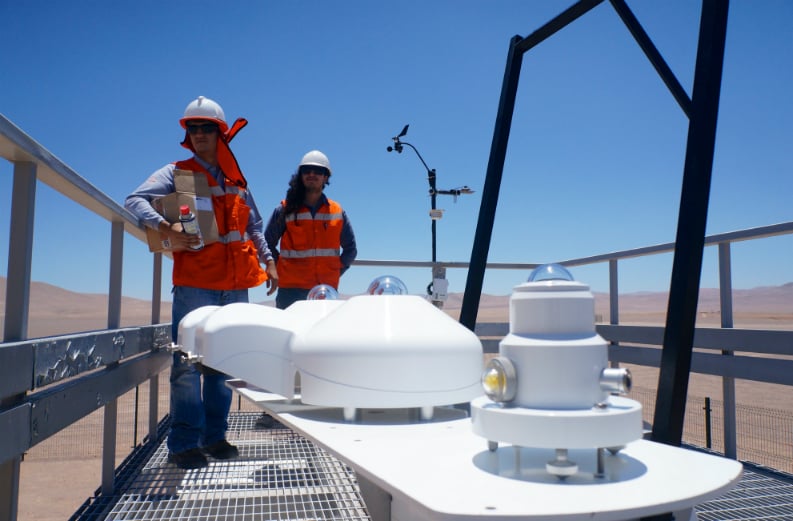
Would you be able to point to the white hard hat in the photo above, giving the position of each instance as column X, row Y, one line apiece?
column 316, row 158
column 204, row 108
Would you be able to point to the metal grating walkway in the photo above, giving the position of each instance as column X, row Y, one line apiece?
column 278, row 476
column 760, row 495
column 282, row 476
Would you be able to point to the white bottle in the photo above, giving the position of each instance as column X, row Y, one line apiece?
column 190, row 225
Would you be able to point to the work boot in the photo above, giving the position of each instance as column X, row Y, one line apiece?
column 188, row 459
column 222, row 450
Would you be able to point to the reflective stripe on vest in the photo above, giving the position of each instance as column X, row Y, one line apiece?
column 310, row 247
column 320, row 216
column 304, row 254
column 234, row 236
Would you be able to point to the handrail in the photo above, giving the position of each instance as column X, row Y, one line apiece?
column 759, row 232
column 64, row 371
column 18, row 147
column 20, row 421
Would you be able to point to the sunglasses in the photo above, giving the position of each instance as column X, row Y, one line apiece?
column 319, row 170
column 206, row 128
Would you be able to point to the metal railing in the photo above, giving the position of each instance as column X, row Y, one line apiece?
column 47, row 384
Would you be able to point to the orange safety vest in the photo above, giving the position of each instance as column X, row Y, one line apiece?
column 310, row 248
column 230, row 263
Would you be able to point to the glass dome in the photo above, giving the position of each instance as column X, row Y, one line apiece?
column 548, row 272
column 387, row 285
column 323, row 292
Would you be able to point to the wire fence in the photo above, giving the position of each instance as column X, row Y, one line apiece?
column 765, row 436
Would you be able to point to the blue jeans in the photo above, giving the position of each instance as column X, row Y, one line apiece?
column 199, row 416
column 288, row 296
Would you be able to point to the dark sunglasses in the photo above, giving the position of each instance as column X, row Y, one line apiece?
column 319, row 170
column 206, row 128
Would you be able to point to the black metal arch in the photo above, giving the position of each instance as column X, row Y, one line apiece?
column 702, row 111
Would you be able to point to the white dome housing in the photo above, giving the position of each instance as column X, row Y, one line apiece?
column 388, row 351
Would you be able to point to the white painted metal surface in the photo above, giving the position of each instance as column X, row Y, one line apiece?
column 249, row 341
column 386, row 351
column 441, row 471
column 188, row 326
column 618, row 424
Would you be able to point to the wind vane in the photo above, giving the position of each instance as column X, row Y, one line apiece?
column 439, row 285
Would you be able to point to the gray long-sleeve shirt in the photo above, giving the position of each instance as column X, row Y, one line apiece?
column 161, row 183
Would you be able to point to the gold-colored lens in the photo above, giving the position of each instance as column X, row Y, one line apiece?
column 499, row 380
column 493, row 382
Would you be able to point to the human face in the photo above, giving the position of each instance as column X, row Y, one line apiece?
column 203, row 135
column 314, row 177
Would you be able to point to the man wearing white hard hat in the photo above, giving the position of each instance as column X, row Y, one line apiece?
column 310, row 235
column 218, row 273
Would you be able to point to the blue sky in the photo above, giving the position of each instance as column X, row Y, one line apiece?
column 595, row 157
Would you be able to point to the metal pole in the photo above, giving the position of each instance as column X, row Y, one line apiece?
column 670, row 407
column 154, row 382
column 495, row 169
column 433, row 199
column 708, row 427
column 135, row 417
column 114, row 286
column 653, row 55
column 156, row 288
column 20, row 255
column 614, row 299
column 154, row 396
column 727, row 382
column 498, row 152
column 20, row 252
column 109, row 429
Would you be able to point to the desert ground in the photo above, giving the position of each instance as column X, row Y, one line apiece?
column 59, row 474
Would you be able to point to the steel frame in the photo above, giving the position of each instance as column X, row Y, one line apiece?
column 702, row 110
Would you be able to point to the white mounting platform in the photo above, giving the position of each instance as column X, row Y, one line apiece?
column 619, row 423
column 440, row 470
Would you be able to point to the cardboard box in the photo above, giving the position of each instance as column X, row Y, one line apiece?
column 193, row 190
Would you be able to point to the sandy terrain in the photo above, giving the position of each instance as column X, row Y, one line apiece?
column 52, row 488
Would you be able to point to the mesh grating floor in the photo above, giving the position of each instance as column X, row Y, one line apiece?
column 282, row 476
column 279, row 475
column 758, row 496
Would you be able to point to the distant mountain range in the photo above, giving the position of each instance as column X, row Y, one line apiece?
column 55, row 310
column 53, row 300
column 778, row 299
column 48, row 299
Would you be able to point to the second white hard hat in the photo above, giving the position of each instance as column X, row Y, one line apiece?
column 316, row 158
